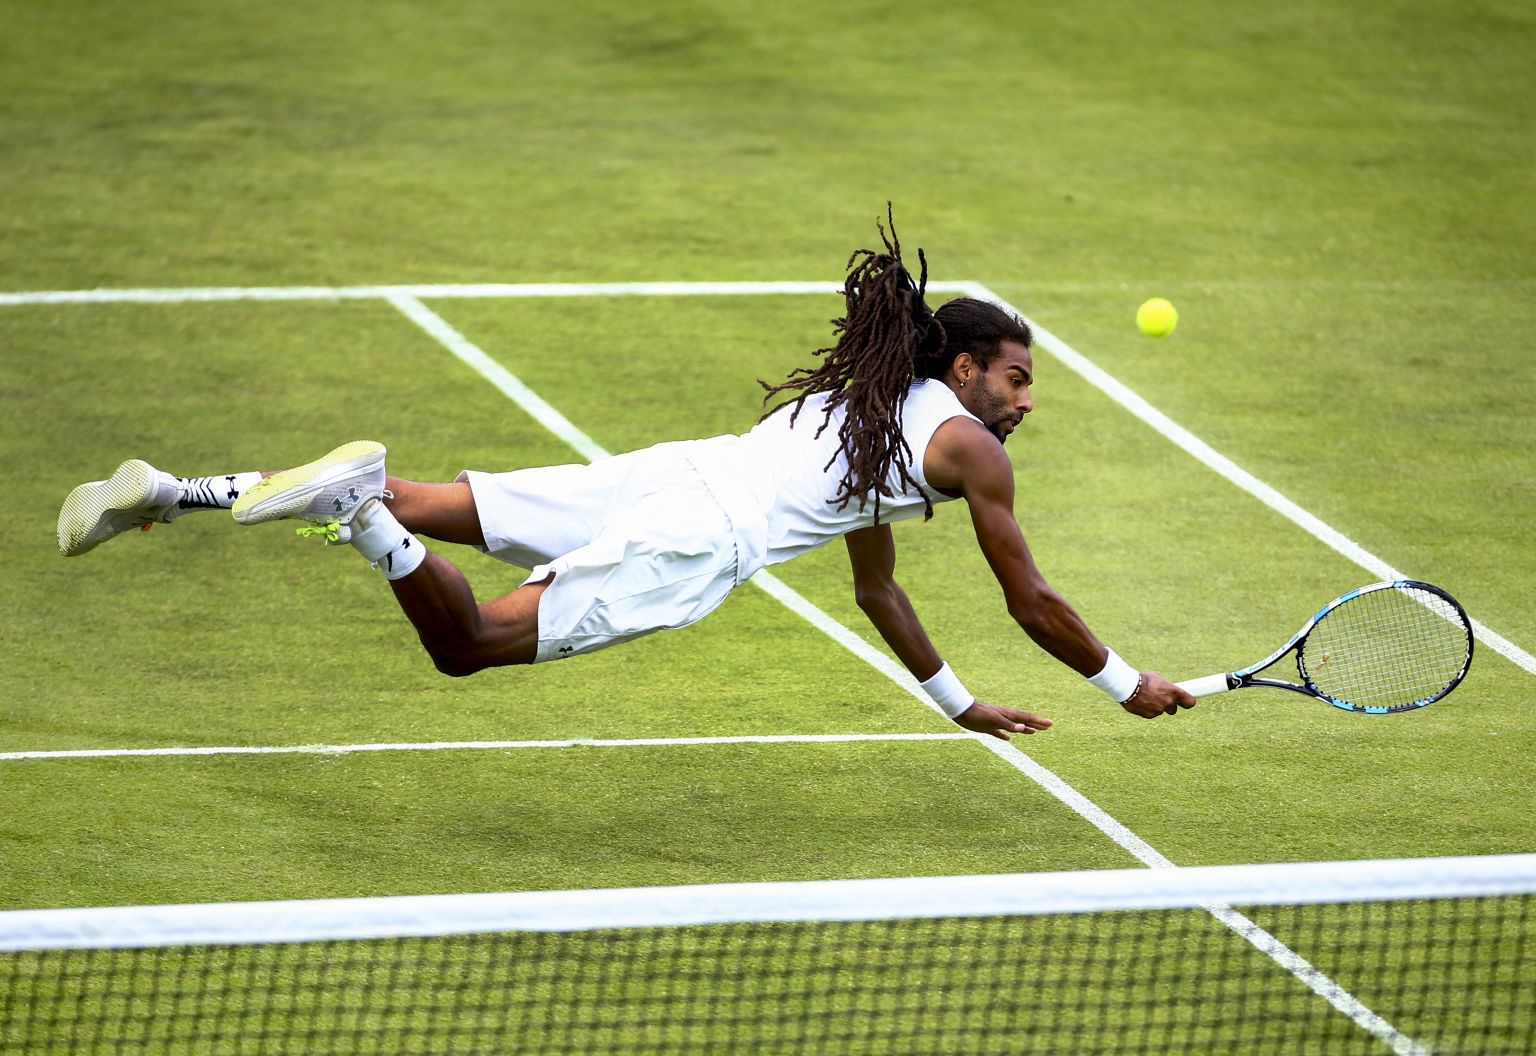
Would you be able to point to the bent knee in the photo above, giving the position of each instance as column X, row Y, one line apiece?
column 459, row 658
column 453, row 666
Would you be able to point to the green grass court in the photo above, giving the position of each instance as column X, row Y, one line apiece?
column 1338, row 198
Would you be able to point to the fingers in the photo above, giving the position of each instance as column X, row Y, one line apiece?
column 1001, row 723
column 1031, row 723
column 1019, row 722
column 1154, row 710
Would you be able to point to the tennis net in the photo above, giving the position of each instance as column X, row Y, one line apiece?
column 1410, row 956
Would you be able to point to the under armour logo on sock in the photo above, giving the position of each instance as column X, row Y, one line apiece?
column 389, row 558
column 566, row 650
column 233, row 493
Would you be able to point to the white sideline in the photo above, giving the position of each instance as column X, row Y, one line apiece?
column 1261, row 940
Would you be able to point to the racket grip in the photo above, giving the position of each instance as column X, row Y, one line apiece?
column 1204, row 687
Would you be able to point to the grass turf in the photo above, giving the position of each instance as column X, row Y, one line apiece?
column 1355, row 310
column 1336, row 198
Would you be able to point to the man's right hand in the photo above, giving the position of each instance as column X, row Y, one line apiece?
column 1157, row 696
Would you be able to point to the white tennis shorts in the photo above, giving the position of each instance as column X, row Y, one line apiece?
column 637, row 544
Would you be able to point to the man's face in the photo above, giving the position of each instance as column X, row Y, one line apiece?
column 999, row 395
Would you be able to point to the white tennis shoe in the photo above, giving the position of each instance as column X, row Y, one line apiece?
column 137, row 495
column 328, row 491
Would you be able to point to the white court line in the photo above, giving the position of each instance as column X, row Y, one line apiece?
column 439, row 746
column 175, row 295
column 1284, row 956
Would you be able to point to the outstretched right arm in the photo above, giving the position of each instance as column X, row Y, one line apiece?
column 971, row 460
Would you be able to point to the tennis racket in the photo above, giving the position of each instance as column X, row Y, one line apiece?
column 1388, row 647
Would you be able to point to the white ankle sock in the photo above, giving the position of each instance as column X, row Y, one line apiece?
column 385, row 542
column 211, row 493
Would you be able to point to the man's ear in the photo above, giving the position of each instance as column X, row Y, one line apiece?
column 965, row 367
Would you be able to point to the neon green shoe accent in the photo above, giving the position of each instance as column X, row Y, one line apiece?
column 329, row 530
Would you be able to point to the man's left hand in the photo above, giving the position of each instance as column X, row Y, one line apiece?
column 1002, row 723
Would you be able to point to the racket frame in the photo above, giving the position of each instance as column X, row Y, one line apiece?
column 1245, row 678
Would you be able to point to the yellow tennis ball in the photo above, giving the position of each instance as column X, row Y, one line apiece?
column 1157, row 318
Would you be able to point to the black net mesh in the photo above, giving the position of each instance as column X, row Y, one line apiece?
column 1444, row 976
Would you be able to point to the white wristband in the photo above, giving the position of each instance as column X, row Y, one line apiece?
column 947, row 692
column 1119, row 679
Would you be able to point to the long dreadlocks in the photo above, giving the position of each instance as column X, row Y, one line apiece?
column 888, row 337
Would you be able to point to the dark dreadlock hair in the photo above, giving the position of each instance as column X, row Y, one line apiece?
column 889, row 337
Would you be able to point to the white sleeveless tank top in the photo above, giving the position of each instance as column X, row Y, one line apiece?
column 777, row 482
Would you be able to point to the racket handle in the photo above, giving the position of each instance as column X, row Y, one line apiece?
column 1204, row 687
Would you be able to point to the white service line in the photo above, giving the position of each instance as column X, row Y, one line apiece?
column 497, row 375
column 1096, row 816
column 439, row 746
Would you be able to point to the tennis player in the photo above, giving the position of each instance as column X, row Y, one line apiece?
column 911, row 407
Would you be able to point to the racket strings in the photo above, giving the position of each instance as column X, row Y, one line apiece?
column 1390, row 648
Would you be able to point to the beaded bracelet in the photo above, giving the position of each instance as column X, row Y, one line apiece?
column 1118, row 679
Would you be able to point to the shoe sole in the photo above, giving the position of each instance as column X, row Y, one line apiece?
column 87, row 509
column 286, row 494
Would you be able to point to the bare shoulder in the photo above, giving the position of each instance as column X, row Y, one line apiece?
column 964, row 458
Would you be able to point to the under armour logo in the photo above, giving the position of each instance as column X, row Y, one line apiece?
column 233, row 494
column 351, row 500
column 389, row 558
column 566, row 650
